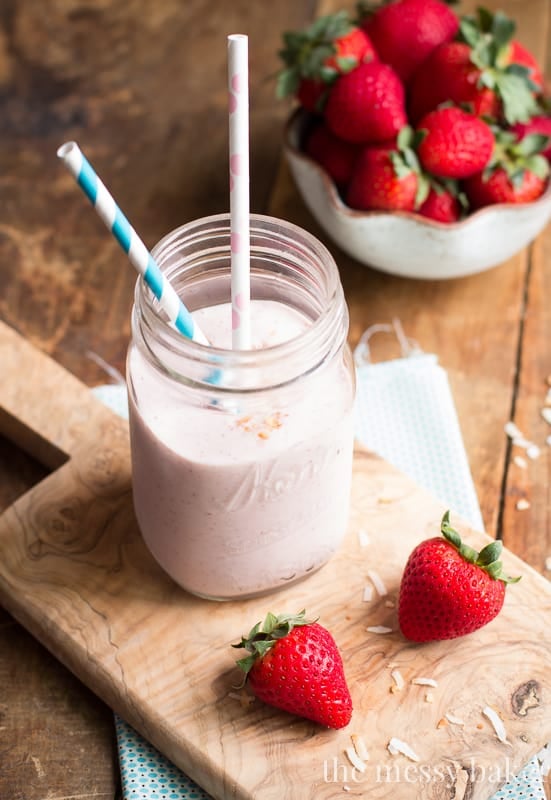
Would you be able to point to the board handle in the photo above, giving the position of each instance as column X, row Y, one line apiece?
column 44, row 409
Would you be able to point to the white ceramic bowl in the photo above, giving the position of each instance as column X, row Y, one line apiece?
column 407, row 244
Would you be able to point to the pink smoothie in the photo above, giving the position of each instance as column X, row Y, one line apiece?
column 241, row 500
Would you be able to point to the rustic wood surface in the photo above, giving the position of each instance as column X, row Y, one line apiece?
column 138, row 84
column 76, row 573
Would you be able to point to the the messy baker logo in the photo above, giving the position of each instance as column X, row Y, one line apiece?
column 266, row 482
column 453, row 776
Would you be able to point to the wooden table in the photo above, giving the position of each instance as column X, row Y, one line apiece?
column 141, row 86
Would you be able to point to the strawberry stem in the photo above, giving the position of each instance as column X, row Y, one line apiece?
column 489, row 36
column 487, row 559
column 265, row 634
column 305, row 53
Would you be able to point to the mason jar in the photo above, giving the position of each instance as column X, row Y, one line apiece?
column 242, row 459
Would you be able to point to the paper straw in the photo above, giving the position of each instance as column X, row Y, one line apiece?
column 238, row 86
column 81, row 169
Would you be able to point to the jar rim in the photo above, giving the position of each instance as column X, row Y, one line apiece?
column 321, row 330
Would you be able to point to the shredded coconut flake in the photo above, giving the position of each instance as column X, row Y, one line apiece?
column 360, row 746
column 390, row 603
column 497, row 724
column 548, row 441
column 425, row 682
column 520, row 462
column 368, row 593
column 522, row 504
column 399, row 682
column 377, row 582
column 379, row 629
column 363, row 537
column 548, row 563
column 397, row 746
column 346, row 788
column 546, row 414
column 354, row 759
column 429, row 697
column 533, row 451
column 512, row 430
column 521, row 441
column 453, row 719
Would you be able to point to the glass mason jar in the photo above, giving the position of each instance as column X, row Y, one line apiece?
column 242, row 459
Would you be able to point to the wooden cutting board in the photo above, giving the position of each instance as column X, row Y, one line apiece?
column 74, row 571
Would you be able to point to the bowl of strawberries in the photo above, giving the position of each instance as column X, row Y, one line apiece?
column 421, row 141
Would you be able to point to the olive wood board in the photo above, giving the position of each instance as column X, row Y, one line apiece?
column 75, row 572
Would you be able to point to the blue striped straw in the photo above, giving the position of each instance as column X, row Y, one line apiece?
column 81, row 169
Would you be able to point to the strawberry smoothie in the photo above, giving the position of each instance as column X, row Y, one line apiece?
column 236, row 502
column 242, row 459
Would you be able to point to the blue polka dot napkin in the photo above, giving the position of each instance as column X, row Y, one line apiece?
column 405, row 413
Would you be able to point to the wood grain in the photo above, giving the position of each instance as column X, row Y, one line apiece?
column 75, row 572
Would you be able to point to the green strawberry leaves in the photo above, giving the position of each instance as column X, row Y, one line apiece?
column 517, row 157
column 487, row 559
column 405, row 161
column 515, row 90
column 489, row 36
column 265, row 634
column 453, row 187
column 305, row 53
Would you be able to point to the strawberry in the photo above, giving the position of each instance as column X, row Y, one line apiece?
column 448, row 589
column 499, row 188
column 336, row 156
column 388, row 177
column 477, row 73
column 367, row 104
column 456, row 144
column 295, row 665
column 405, row 32
column 444, row 203
column 448, row 74
column 315, row 57
column 517, row 172
column 538, row 124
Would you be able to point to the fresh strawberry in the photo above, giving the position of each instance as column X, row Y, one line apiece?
column 405, row 32
column 456, row 144
column 448, row 75
column 517, row 172
column 314, row 58
column 448, row 589
column 367, row 104
column 499, row 188
column 476, row 73
column 444, row 203
column 336, row 156
column 388, row 177
column 539, row 124
column 295, row 665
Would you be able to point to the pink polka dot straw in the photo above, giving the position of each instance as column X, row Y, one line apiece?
column 238, row 87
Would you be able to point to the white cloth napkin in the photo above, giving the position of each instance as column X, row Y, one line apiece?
column 405, row 413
